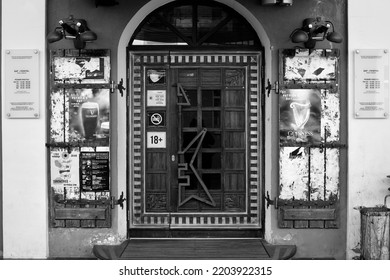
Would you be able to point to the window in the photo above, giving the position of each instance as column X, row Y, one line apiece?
column 195, row 25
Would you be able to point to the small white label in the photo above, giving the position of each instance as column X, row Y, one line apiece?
column 156, row 139
column 156, row 98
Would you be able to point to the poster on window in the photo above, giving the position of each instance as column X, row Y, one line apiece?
column 95, row 171
column 64, row 169
column 81, row 70
column 300, row 116
column 310, row 65
column 89, row 116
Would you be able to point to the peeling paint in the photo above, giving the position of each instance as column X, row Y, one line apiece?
column 317, row 174
column 313, row 67
column 306, row 67
column 57, row 120
column 332, row 173
column 82, row 70
column 330, row 116
column 294, row 173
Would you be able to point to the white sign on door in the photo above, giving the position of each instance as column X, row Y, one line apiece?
column 156, row 139
column 156, row 98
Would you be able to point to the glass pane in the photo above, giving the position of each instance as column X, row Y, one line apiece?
column 192, row 97
column 211, row 98
column 208, row 18
column 211, row 119
column 193, row 182
column 212, row 181
column 181, row 18
column 189, row 119
column 212, row 140
column 188, row 157
column 153, row 32
column 211, row 160
column 236, row 32
column 187, row 138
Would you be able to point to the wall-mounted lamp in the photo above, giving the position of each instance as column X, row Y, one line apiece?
column 74, row 29
column 277, row 2
column 313, row 30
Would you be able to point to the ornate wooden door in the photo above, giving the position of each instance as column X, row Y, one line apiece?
column 195, row 140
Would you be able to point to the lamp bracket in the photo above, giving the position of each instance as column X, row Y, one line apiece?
column 73, row 29
column 313, row 30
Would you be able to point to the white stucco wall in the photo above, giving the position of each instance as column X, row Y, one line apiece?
column 25, row 225
column 369, row 149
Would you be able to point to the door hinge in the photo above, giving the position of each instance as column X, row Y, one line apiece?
column 274, row 87
column 119, row 87
column 112, row 202
column 119, row 201
column 273, row 202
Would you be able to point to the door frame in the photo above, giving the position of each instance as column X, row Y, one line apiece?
column 137, row 218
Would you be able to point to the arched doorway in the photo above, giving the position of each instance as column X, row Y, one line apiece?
column 195, row 121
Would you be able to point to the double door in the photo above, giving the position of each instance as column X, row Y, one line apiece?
column 195, row 145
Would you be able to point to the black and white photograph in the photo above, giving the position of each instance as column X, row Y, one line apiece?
column 192, row 139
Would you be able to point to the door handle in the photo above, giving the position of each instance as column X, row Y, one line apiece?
column 173, row 158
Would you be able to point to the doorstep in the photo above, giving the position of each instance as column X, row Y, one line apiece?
column 194, row 248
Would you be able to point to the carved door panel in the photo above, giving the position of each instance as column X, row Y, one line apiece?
column 195, row 145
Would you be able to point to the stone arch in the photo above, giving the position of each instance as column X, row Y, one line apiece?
column 148, row 8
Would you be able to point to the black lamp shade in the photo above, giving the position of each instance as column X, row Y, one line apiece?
column 334, row 37
column 88, row 36
column 75, row 29
column 299, row 36
column 54, row 36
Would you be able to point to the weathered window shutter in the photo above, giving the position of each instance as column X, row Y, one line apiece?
column 79, row 138
column 309, row 126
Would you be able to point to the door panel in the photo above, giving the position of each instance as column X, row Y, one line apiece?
column 194, row 148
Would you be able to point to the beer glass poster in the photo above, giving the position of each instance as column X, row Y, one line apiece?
column 300, row 116
column 89, row 116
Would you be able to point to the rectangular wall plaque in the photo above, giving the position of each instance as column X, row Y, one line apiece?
column 21, row 83
column 371, row 84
